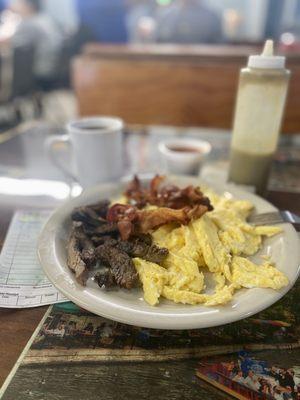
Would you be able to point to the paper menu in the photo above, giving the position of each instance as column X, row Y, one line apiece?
column 22, row 280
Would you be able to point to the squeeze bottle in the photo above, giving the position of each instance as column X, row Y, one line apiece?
column 258, row 115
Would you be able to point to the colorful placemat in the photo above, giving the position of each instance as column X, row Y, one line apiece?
column 75, row 354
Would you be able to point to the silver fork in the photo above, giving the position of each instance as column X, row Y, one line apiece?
column 277, row 217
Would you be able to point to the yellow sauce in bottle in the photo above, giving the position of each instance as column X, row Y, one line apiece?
column 259, row 110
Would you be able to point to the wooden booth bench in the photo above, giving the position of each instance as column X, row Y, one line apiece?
column 170, row 84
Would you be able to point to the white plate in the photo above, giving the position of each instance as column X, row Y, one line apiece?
column 128, row 306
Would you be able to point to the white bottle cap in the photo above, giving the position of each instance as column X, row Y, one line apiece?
column 267, row 58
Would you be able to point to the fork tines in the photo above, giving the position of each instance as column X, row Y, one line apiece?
column 272, row 218
column 267, row 218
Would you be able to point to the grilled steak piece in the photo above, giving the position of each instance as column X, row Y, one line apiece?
column 92, row 215
column 87, row 216
column 140, row 246
column 105, row 278
column 97, row 240
column 104, row 229
column 101, row 208
column 86, row 246
column 93, row 220
column 146, row 238
column 75, row 262
column 122, row 267
column 137, row 247
column 154, row 254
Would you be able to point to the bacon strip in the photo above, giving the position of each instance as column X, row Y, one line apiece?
column 170, row 196
column 132, row 221
column 174, row 205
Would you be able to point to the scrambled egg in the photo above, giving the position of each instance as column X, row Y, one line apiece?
column 153, row 278
column 219, row 243
column 249, row 275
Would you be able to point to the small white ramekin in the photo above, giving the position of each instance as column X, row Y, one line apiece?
column 180, row 162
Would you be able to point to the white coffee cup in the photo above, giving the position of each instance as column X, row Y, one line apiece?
column 96, row 147
column 184, row 156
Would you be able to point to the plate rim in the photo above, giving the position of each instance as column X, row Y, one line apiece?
column 170, row 320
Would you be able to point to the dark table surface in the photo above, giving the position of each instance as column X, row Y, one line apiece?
column 27, row 179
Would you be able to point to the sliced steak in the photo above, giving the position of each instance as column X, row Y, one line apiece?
column 104, row 229
column 75, row 262
column 86, row 246
column 92, row 215
column 105, row 278
column 101, row 208
column 137, row 247
column 122, row 267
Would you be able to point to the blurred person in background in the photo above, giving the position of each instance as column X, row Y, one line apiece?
column 64, row 13
column 106, row 19
column 188, row 21
column 174, row 21
column 140, row 20
column 38, row 29
column 8, row 23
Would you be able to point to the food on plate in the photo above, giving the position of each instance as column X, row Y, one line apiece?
column 173, row 242
column 169, row 196
column 167, row 204
column 249, row 275
column 131, row 221
column 75, row 258
column 121, row 265
column 96, row 241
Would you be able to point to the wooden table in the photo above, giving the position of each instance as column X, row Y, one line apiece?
column 18, row 325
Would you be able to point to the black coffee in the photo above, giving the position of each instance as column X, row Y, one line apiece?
column 93, row 128
column 184, row 149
